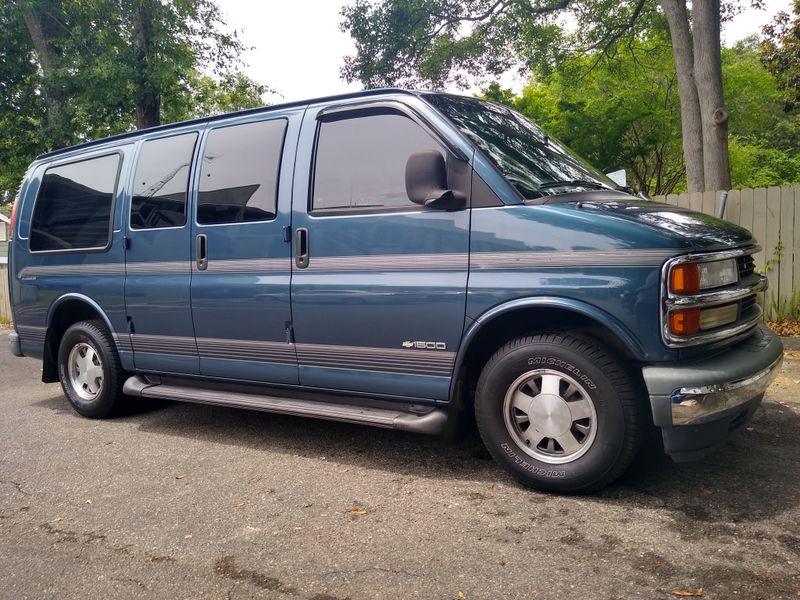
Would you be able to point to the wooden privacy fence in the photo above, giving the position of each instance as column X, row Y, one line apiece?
column 773, row 215
column 5, row 302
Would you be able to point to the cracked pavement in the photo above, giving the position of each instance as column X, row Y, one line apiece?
column 190, row 501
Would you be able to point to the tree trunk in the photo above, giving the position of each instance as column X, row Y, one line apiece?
column 708, row 77
column 148, row 100
column 57, row 133
column 691, row 121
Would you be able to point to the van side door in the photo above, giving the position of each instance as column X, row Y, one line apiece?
column 158, row 256
column 241, row 250
column 379, row 283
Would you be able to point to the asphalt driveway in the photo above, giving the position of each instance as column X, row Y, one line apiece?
column 187, row 501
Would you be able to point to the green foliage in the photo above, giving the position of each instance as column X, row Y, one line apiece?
column 780, row 51
column 100, row 63
column 773, row 261
column 783, row 308
column 754, row 165
column 623, row 111
column 765, row 137
column 435, row 42
column 618, row 112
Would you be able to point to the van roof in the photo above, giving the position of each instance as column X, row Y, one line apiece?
column 249, row 111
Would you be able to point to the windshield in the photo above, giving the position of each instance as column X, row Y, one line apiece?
column 536, row 164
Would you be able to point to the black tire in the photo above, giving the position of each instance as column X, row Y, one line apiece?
column 96, row 398
column 591, row 381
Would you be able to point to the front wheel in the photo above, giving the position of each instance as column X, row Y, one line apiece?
column 559, row 412
column 89, row 369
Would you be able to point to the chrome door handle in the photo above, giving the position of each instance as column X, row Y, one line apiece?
column 301, row 248
column 201, row 250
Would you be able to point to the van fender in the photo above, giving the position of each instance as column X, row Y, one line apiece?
column 75, row 296
column 566, row 304
column 49, row 364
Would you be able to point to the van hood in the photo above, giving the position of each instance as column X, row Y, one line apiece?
column 692, row 228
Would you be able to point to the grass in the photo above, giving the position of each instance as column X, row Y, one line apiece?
column 783, row 308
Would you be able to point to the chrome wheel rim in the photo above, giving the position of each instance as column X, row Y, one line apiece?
column 85, row 371
column 550, row 416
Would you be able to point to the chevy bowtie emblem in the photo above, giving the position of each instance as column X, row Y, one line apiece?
column 425, row 345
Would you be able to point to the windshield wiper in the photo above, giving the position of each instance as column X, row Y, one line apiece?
column 573, row 182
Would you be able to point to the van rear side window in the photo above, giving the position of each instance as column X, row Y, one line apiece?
column 161, row 182
column 73, row 210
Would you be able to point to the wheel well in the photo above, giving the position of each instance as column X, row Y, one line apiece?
column 66, row 314
column 513, row 324
column 525, row 321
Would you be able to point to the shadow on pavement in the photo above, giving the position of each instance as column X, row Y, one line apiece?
column 751, row 478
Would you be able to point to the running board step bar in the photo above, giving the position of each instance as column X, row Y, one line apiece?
column 431, row 422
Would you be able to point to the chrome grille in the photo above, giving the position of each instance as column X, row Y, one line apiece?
column 742, row 293
column 746, row 264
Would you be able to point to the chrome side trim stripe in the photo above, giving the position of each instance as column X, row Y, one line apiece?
column 247, row 350
column 391, row 262
column 382, row 262
column 578, row 258
column 163, row 344
column 31, row 333
column 123, row 342
column 72, row 270
column 254, row 265
column 158, row 268
column 432, row 363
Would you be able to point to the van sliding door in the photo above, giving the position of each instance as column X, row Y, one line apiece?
column 241, row 254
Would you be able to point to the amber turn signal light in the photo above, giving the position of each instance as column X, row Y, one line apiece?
column 685, row 279
column 684, row 322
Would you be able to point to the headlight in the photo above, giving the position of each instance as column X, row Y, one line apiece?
column 690, row 278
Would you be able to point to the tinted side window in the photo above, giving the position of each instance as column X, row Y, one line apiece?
column 239, row 179
column 161, row 181
column 74, row 205
column 361, row 162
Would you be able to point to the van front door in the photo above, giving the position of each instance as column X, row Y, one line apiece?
column 242, row 255
column 379, row 283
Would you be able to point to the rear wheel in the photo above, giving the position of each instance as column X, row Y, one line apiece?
column 559, row 412
column 89, row 369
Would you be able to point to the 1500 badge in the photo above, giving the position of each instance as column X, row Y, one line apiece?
column 425, row 345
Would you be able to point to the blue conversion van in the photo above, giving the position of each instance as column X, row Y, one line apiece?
column 408, row 260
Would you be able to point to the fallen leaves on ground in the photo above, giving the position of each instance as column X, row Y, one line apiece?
column 58, row 519
column 179, row 476
column 356, row 509
column 687, row 593
column 785, row 328
column 89, row 501
column 461, row 596
column 298, row 529
column 239, row 504
column 188, row 536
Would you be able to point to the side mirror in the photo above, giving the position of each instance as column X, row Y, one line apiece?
column 426, row 182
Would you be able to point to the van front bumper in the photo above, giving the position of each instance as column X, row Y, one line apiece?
column 698, row 403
